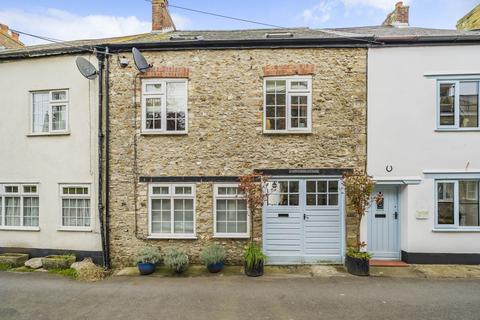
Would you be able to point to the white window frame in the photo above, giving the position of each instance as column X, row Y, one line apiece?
column 217, row 196
column 20, row 194
column 289, row 93
column 456, row 206
column 163, row 108
column 88, row 196
column 172, row 196
column 327, row 193
column 52, row 103
column 456, row 126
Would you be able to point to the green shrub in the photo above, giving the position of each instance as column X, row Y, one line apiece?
column 176, row 261
column 212, row 254
column 5, row 266
column 254, row 256
column 148, row 255
column 354, row 253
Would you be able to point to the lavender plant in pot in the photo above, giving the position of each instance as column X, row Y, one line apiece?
column 213, row 258
column 147, row 260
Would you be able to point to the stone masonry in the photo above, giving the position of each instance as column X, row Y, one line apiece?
column 225, row 138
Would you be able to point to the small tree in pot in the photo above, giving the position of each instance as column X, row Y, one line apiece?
column 147, row 260
column 213, row 257
column 358, row 188
column 251, row 187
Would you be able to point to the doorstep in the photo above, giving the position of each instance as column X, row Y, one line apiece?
column 388, row 263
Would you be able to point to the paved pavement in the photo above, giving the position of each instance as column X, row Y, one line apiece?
column 46, row 296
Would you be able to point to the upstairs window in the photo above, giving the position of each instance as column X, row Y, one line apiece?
column 164, row 106
column 49, row 111
column 19, row 206
column 458, row 204
column 288, row 104
column 458, row 104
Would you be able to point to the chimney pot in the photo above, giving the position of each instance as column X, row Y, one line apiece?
column 161, row 19
column 3, row 28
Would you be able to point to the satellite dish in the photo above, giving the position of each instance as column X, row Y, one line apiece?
column 86, row 68
column 140, row 61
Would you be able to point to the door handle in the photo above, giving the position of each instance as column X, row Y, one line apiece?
column 304, row 216
column 396, row 215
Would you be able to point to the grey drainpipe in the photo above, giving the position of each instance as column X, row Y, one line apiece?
column 107, row 159
column 101, row 66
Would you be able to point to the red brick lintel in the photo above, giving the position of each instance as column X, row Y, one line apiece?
column 166, row 72
column 289, row 70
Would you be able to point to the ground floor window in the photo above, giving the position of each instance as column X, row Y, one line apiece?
column 458, row 203
column 75, row 201
column 230, row 211
column 19, row 205
column 172, row 210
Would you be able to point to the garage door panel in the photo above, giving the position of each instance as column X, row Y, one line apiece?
column 303, row 234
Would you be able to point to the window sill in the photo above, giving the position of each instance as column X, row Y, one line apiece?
column 457, row 130
column 73, row 229
column 306, row 132
column 457, row 230
column 163, row 133
column 171, row 237
column 7, row 228
column 48, row 134
column 231, row 236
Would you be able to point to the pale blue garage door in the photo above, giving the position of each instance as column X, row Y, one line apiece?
column 303, row 221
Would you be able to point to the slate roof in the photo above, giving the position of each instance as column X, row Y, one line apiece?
column 360, row 36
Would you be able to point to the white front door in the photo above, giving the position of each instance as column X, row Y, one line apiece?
column 303, row 221
column 383, row 239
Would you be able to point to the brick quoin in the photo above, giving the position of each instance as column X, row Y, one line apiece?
column 289, row 70
column 167, row 72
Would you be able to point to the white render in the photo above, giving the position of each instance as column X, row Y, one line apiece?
column 49, row 160
column 402, row 133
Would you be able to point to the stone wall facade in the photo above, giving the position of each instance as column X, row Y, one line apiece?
column 225, row 134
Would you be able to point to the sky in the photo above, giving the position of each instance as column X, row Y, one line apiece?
column 85, row 19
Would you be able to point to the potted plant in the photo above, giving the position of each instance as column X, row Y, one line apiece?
column 176, row 261
column 254, row 260
column 147, row 260
column 213, row 258
column 358, row 189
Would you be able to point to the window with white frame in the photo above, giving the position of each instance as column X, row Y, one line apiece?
column 458, row 204
column 164, row 106
column 283, row 193
column 75, row 201
column 458, row 104
column 288, row 104
column 19, row 205
column 230, row 210
column 322, row 192
column 172, row 210
column 50, row 111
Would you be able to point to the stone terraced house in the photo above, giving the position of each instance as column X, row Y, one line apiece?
column 214, row 106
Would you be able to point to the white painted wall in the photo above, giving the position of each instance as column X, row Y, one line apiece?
column 49, row 160
column 401, row 133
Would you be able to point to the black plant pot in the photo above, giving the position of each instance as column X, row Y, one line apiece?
column 357, row 267
column 255, row 271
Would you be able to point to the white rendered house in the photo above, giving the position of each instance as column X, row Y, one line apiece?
column 424, row 153
column 48, row 156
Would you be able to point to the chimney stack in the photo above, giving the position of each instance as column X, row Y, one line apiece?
column 161, row 19
column 398, row 17
column 10, row 39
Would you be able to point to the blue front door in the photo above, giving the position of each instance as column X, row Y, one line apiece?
column 383, row 239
